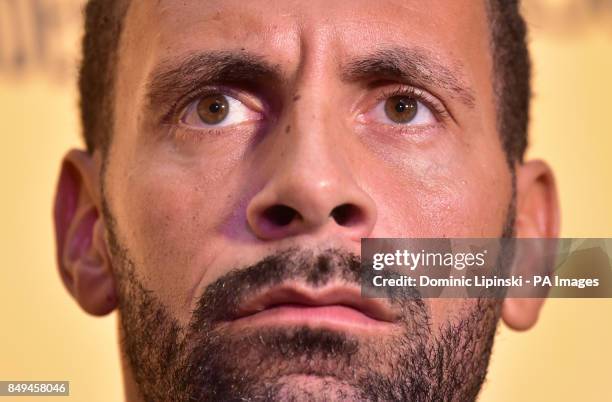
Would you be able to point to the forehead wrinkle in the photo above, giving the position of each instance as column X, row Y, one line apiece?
column 230, row 23
column 414, row 64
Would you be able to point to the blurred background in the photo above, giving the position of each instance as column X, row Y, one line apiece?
column 45, row 336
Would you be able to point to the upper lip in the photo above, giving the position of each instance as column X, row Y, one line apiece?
column 331, row 295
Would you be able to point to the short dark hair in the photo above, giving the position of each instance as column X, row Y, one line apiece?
column 512, row 71
column 512, row 75
column 103, row 27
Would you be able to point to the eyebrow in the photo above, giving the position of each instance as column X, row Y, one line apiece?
column 174, row 78
column 415, row 65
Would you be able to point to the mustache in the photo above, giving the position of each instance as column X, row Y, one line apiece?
column 220, row 300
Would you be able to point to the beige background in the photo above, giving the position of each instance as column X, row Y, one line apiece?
column 45, row 336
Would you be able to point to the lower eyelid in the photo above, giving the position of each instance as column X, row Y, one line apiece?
column 195, row 134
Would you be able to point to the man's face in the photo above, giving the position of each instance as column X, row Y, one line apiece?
column 255, row 144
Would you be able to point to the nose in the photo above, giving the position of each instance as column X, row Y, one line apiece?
column 295, row 204
column 311, row 190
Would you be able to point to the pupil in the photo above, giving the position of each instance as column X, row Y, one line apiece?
column 214, row 107
column 400, row 107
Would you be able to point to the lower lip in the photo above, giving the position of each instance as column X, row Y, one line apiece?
column 334, row 316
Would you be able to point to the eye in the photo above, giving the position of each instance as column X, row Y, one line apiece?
column 403, row 110
column 218, row 110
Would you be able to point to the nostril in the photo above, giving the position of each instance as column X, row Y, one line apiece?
column 280, row 215
column 346, row 214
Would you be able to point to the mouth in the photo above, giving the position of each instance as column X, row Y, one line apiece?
column 335, row 307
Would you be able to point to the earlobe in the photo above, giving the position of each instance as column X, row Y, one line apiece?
column 537, row 216
column 521, row 314
column 81, row 251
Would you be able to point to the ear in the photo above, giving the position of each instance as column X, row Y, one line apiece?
column 537, row 216
column 82, row 255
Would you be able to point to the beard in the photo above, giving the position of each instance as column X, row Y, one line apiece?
column 204, row 361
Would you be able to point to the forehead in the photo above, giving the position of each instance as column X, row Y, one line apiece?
column 455, row 30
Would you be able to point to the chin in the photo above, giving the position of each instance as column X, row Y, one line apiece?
column 311, row 387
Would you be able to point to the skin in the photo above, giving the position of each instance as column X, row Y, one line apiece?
column 191, row 204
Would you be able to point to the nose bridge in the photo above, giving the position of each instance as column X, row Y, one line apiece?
column 312, row 140
column 310, row 114
column 311, row 108
column 311, row 145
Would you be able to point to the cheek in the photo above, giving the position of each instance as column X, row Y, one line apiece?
column 442, row 311
column 448, row 311
column 168, row 219
column 442, row 194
